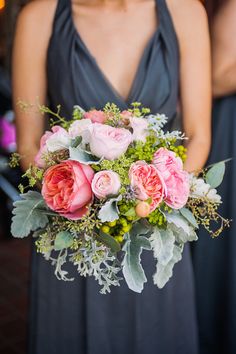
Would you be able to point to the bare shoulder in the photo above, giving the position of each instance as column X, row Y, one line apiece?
column 37, row 16
column 189, row 17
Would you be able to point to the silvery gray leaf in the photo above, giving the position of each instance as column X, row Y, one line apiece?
column 188, row 215
column 132, row 269
column 182, row 230
column 215, row 175
column 109, row 211
column 28, row 214
column 165, row 272
column 82, row 156
column 162, row 242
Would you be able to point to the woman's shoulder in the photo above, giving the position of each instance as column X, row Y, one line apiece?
column 37, row 14
column 189, row 17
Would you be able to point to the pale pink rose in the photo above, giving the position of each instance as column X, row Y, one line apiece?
column 39, row 158
column 105, row 183
column 109, row 142
column 176, row 179
column 96, row 116
column 140, row 128
column 79, row 127
column 59, row 140
column 126, row 114
column 147, row 183
column 67, row 189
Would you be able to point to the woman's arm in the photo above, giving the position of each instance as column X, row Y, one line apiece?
column 191, row 25
column 224, row 49
column 33, row 31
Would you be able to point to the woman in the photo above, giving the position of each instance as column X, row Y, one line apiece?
column 214, row 261
column 89, row 53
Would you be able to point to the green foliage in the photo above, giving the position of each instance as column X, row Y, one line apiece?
column 14, row 160
column 63, row 239
column 109, row 241
column 28, row 214
column 143, row 151
column 157, row 218
column 77, row 113
column 215, row 175
column 162, row 243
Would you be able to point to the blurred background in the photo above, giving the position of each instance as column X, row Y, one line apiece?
column 14, row 254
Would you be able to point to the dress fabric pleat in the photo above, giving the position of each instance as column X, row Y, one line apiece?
column 72, row 317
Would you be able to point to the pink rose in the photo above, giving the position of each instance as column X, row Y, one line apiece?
column 39, row 160
column 96, row 116
column 176, row 179
column 126, row 114
column 106, row 183
column 109, row 142
column 67, row 189
column 140, row 128
column 147, row 183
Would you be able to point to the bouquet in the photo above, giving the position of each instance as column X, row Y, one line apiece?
column 113, row 185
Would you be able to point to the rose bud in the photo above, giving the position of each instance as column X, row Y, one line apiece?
column 143, row 209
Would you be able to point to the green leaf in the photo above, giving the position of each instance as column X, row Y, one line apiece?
column 83, row 156
column 76, row 142
column 162, row 242
column 131, row 212
column 28, row 214
column 63, row 239
column 132, row 268
column 188, row 215
column 215, row 175
column 109, row 241
column 165, row 272
column 110, row 211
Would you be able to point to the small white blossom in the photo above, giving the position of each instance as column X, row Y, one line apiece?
column 199, row 189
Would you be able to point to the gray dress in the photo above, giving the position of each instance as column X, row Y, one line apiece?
column 72, row 317
column 215, row 260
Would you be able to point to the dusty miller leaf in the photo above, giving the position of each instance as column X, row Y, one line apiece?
column 165, row 272
column 83, row 156
column 188, row 215
column 215, row 175
column 181, row 228
column 162, row 242
column 110, row 211
column 28, row 214
column 132, row 268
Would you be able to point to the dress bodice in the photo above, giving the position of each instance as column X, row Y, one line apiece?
column 74, row 76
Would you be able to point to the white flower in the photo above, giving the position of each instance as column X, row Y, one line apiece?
column 83, row 128
column 140, row 128
column 200, row 189
column 59, row 140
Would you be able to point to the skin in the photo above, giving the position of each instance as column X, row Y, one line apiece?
column 224, row 49
column 134, row 20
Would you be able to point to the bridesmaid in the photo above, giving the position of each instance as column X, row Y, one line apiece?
column 89, row 52
column 215, row 260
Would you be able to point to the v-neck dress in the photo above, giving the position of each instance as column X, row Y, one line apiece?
column 73, row 317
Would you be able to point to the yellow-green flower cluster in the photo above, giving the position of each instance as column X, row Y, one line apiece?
column 143, row 151
column 117, row 228
column 157, row 218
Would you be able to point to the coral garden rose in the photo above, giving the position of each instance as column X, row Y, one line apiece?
column 176, row 179
column 109, row 142
column 140, row 128
column 147, row 183
column 96, row 116
column 105, row 183
column 67, row 189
